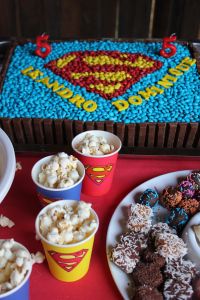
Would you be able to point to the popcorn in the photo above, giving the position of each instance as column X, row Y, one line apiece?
column 67, row 224
column 94, row 145
column 15, row 262
column 5, row 222
column 60, row 172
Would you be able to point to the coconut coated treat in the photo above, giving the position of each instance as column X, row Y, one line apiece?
column 170, row 246
column 187, row 189
column 176, row 289
column 177, row 218
column 160, row 228
column 67, row 224
column 15, row 262
column 60, row 172
column 126, row 258
column 171, row 197
column 182, row 269
column 149, row 197
column 94, row 145
column 139, row 219
column 132, row 238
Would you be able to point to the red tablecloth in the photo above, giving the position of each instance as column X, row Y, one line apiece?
column 21, row 206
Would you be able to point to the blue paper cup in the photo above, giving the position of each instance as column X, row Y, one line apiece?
column 22, row 290
column 48, row 195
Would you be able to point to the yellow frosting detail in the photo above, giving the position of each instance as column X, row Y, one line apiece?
column 107, row 89
column 167, row 81
column 158, row 90
column 66, row 93
column 55, row 86
column 189, row 61
column 107, row 76
column 135, row 100
column 90, row 106
column 147, row 93
column 140, row 62
column 121, row 104
column 77, row 100
column 107, row 60
column 44, row 80
column 175, row 72
column 34, row 74
column 183, row 67
column 25, row 71
column 62, row 62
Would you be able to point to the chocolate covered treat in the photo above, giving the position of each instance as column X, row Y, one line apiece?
column 170, row 246
column 191, row 206
column 197, row 195
column 182, row 269
column 149, row 197
column 139, row 219
column 177, row 218
column 187, row 189
column 177, row 289
column 149, row 256
column 147, row 293
column 147, row 274
column 196, row 288
column 124, row 257
column 194, row 178
column 170, row 197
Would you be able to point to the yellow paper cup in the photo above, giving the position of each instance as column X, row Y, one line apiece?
column 67, row 262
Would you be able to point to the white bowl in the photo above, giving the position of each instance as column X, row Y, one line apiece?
column 7, row 164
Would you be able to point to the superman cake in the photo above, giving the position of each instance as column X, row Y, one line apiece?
column 99, row 81
column 102, row 80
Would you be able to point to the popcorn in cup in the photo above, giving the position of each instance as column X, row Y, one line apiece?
column 98, row 151
column 58, row 177
column 67, row 230
column 15, row 270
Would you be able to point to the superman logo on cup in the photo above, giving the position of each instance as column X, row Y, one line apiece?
column 98, row 173
column 68, row 261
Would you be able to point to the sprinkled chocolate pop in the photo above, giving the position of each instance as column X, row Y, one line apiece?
column 194, row 178
column 149, row 197
column 189, row 205
column 177, row 218
column 187, row 189
column 171, row 197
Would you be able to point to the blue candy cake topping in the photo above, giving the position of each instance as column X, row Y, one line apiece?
column 127, row 82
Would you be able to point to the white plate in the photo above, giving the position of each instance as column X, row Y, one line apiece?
column 118, row 221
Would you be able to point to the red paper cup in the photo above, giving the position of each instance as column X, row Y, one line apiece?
column 99, row 170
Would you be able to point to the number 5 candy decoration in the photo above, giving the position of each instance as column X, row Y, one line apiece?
column 41, row 42
column 167, row 45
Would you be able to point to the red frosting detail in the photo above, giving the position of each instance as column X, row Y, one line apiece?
column 80, row 65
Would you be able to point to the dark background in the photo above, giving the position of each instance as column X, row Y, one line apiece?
column 100, row 18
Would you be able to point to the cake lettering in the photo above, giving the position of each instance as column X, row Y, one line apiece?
column 80, row 102
column 166, row 82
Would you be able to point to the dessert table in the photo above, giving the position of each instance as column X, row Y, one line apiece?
column 21, row 206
